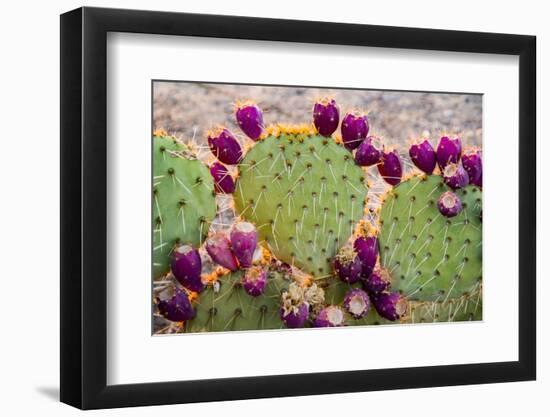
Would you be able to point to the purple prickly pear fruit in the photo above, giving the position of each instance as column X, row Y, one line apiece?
column 223, row 181
column 367, row 252
column 254, row 281
column 295, row 317
column 448, row 151
column 423, row 155
column 357, row 302
column 355, row 128
column 224, row 146
column 175, row 305
column 331, row 316
column 455, row 176
column 244, row 239
column 390, row 167
column 187, row 266
column 326, row 116
column 219, row 249
column 449, row 204
column 347, row 265
column 378, row 282
column 390, row 305
column 367, row 153
column 471, row 161
column 250, row 119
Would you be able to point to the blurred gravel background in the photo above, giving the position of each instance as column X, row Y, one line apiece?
column 190, row 109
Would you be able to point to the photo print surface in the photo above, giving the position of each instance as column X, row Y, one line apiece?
column 277, row 207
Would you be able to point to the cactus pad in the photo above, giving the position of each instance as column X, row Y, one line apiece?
column 465, row 308
column 431, row 257
column 229, row 307
column 305, row 195
column 183, row 200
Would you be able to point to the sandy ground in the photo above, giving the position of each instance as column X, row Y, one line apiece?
column 189, row 110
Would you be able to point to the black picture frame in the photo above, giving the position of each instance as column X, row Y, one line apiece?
column 84, row 207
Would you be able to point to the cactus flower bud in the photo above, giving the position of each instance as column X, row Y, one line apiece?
column 455, row 176
column 187, row 266
column 471, row 161
column 367, row 252
column 390, row 168
column 224, row 146
column 448, row 151
column 355, row 128
column 326, row 116
column 219, row 249
column 347, row 265
column 390, row 305
column 378, row 282
column 244, row 238
column 254, row 281
column 174, row 305
column 423, row 155
column 331, row 316
column 357, row 302
column 449, row 204
column 251, row 120
column 223, row 181
column 368, row 153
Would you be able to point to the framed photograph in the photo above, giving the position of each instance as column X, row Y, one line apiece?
column 258, row 208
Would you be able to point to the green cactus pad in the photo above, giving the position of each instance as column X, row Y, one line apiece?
column 465, row 308
column 431, row 257
column 183, row 200
column 305, row 194
column 335, row 291
column 231, row 308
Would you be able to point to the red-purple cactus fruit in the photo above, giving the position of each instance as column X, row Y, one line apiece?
column 390, row 167
column 244, row 238
column 471, row 161
column 355, row 128
column 326, row 116
column 187, row 266
column 390, row 305
column 423, row 155
column 331, row 316
column 367, row 252
column 448, row 151
column 254, row 281
column 347, row 265
column 250, row 119
column 449, row 204
column 175, row 305
column 368, row 152
column 223, row 181
column 357, row 303
column 378, row 282
column 455, row 176
column 219, row 248
column 295, row 317
column 224, row 146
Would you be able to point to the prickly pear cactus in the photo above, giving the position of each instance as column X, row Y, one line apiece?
column 305, row 194
column 431, row 257
column 224, row 305
column 183, row 200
